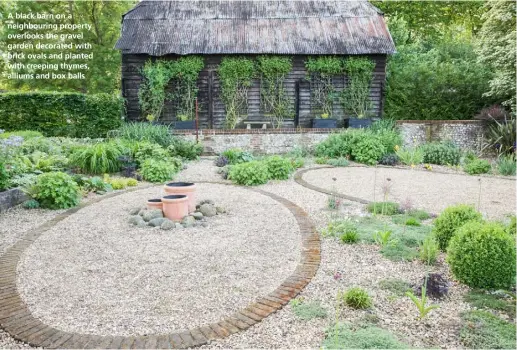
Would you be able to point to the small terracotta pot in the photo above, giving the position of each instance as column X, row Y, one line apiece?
column 155, row 203
column 175, row 206
column 185, row 188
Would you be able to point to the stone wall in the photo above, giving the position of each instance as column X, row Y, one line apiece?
column 466, row 134
column 257, row 141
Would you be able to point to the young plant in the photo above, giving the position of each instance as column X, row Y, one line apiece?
column 383, row 238
column 349, row 236
column 423, row 310
column 429, row 251
column 356, row 298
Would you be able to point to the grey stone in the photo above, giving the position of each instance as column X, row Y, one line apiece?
column 152, row 214
column 197, row 215
column 142, row 224
column 141, row 212
column 134, row 211
column 188, row 221
column 135, row 220
column 167, row 225
column 220, row 210
column 178, row 225
column 156, row 222
column 198, row 224
column 206, row 201
column 11, row 198
column 204, row 224
column 207, row 210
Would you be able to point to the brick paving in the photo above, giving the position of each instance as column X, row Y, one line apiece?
column 17, row 320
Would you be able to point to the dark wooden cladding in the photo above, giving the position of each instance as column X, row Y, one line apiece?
column 211, row 109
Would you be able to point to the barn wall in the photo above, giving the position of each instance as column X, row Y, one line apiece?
column 131, row 79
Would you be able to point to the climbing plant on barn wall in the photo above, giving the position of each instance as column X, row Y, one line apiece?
column 274, row 99
column 355, row 97
column 321, row 70
column 157, row 75
column 236, row 76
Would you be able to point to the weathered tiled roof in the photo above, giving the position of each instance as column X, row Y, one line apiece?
column 255, row 27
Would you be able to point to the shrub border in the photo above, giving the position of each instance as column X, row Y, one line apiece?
column 17, row 320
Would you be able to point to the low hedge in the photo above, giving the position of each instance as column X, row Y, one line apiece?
column 61, row 114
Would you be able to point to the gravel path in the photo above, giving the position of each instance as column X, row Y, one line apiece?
column 427, row 190
column 93, row 273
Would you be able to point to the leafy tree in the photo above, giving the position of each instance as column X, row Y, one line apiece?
column 497, row 48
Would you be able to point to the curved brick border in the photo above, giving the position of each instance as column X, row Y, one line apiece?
column 18, row 321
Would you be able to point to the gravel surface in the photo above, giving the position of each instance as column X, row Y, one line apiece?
column 93, row 273
column 426, row 190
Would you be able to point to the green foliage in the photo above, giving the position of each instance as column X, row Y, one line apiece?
column 390, row 159
column 249, row 174
column 348, row 336
column 185, row 149
column 355, row 97
column 423, row 310
column 436, row 80
column 98, row 158
column 159, row 134
column 321, row 70
column 411, row 156
column 482, row 255
column 442, row 153
column 396, row 286
column 338, row 162
column 398, row 251
column 383, row 208
column 349, row 235
column 26, row 134
column 56, row 190
column 419, row 214
column 340, row 144
column 383, row 238
column 235, row 75
column 412, row 222
column 154, row 170
column 482, row 330
column 4, row 178
column 511, row 228
column 477, row 166
column 61, row 114
column 429, row 250
column 368, row 150
column 485, row 300
column 279, row 168
column 31, row 204
column 92, row 184
column 45, row 163
column 450, row 220
column 338, row 228
column 145, row 150
column 356, row 298
column 151, row 94
column 308, row 311
column 274, row 99
column 497, row 49
column 297, row 163
column 237, row 156
column 500, row 136
column 506, row 165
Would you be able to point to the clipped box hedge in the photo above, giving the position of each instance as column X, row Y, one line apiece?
column 61, row 114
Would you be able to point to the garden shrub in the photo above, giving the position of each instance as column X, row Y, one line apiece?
column 56, row 190
column 412, row 222
column 98, row 158
column 145, row 150
column 26, row 134
column 310, row 310
column 390, row 159
column 356, row 298
column 297, row 162
column 410, row 156
column 477, row 166
column 249, row 173
column 237, row 156
column 511, row 228
column 450, row 220
column 483, row 330
column 442, row 153
column 185, row 149
column 338, row 145
column 221, row 161
column 506, row 165
column 31, row 204
column 383, row 208
column 4, row 178
column 154, row 170
column 339, row 227
column 389, row 138
column 429, row 251
column 349, row 235
column 398, row 251
column 279, row 168
column 338, row 162
column 368, row 150
column 61, row 114
column 348, row 336
column 482, row 255
column 148, row 132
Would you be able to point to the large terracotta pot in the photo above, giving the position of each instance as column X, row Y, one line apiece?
column 175, row 206
column 186, row 188
column 155, row 203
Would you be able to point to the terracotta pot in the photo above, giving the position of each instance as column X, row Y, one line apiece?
column 175, row 206
column 155, row 203
column 186, row 188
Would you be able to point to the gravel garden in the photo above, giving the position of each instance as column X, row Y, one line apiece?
column 411, row 247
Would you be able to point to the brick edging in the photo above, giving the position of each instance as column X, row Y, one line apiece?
column 17, row 320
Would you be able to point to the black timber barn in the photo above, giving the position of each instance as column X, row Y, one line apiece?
column 214, row 29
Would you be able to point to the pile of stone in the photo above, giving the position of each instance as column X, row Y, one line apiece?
column 144, row 217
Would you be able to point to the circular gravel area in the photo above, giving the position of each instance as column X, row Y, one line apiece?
column 426, row 190
column 93, row 273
